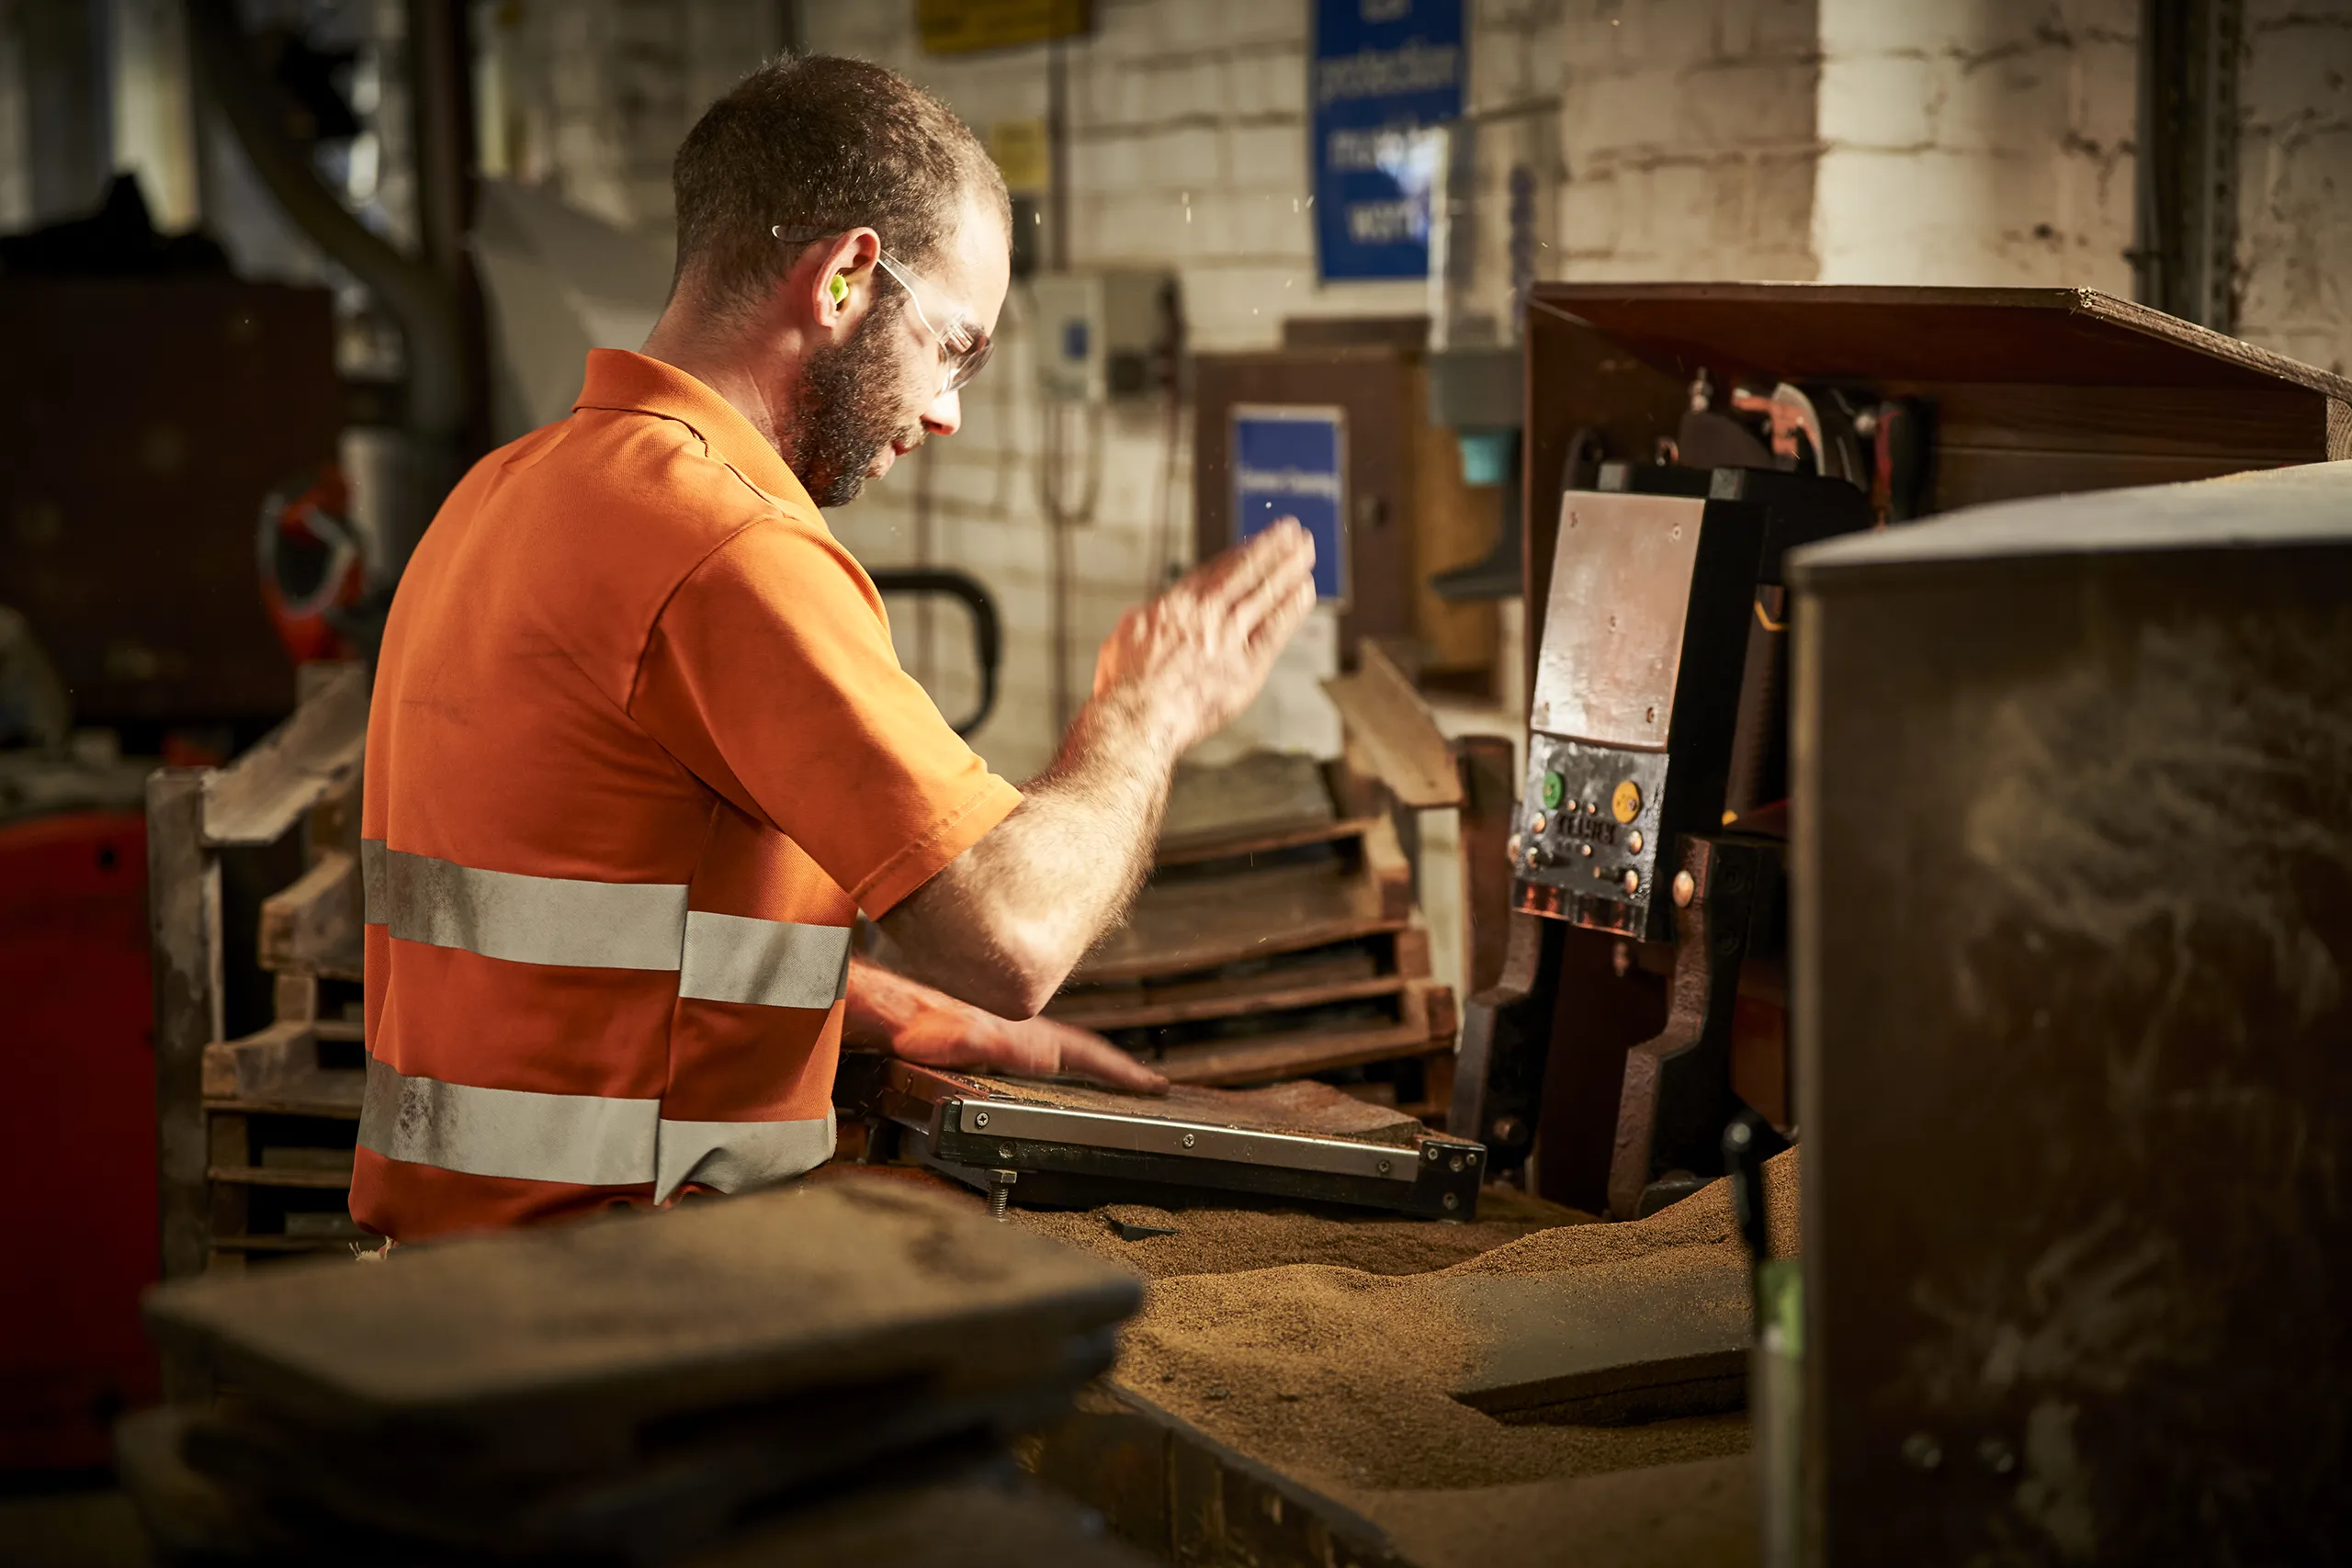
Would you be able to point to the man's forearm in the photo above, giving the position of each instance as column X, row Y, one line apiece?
column 1012, row 916
column 1004, row 924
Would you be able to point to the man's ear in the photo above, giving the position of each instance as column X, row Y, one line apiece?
column 844, row 274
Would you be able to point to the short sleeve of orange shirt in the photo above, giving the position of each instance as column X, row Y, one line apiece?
column 639, row 750
column 771, row 674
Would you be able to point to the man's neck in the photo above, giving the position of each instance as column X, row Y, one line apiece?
column 719, row 365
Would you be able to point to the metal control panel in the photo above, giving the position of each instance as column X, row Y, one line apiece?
column 1650, row 657
column 1589, row 837
column 1643, row 640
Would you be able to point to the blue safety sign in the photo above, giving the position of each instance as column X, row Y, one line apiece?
column 1381, row 72
column 1291, row 461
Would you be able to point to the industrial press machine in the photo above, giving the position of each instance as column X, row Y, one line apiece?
column 1654, row 732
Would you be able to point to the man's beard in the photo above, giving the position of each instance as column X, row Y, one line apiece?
column 845, row 413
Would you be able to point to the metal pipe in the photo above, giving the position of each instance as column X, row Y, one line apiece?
column 440, row 69
column 418, row 299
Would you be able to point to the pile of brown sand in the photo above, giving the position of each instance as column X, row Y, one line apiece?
column 1230, row 1240
column 1703, row 1219
column 1343, row 1375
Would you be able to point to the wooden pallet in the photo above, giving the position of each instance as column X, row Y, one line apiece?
column 313, row 927
column 1261, row 944
column 300, row 783
column 1369, row 967
column 281, row 1111
column 1425, row 1016
column 1204, row 913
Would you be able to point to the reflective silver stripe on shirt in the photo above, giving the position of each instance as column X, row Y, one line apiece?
column 583, row 1138
column 371, row 881
column 733, row 1156
column 586, row 1139
column 530, row 919
column 733, row 958
column 603, row 925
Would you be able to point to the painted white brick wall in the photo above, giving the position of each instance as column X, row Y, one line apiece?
column 599, row 93
column 1687, row 127
column 2295, row 180
column 1188, row 150
column 1981, row 141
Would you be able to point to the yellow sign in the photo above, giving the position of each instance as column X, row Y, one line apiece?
column 1020, row 148
column 964, row 27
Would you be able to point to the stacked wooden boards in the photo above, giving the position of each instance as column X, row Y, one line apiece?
column 1276, row 939
column 641, row 1388
column 258, row 1132
column 281, row 1107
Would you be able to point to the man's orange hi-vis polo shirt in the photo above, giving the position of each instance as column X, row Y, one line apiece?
column 640, row 750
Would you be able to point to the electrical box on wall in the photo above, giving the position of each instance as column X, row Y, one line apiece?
column 1104, row 334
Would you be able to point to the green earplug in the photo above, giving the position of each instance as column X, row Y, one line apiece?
column 840, row 287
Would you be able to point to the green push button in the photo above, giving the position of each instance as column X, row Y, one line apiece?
column 1555, row 790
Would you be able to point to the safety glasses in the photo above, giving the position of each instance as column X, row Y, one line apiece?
column 964, row 347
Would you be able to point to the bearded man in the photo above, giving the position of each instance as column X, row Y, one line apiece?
column 640, row 751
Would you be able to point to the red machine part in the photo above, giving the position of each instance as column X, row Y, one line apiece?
column 310, row 563
column 77, row 1135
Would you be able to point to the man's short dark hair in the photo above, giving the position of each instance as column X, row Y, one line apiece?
column 820, row 143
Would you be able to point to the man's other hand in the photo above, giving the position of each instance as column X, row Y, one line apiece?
column 1197, row 654
column 917, row 1023
column 954, row 1035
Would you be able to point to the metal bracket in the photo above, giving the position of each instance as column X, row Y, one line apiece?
column 1676, row 1095
column 1506, row 1045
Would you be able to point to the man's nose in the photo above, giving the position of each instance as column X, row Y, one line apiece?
column 946, row 415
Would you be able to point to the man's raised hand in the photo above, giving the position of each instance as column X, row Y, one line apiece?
column 1196, row 655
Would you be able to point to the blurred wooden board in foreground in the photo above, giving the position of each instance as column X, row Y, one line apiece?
column 631, row 1387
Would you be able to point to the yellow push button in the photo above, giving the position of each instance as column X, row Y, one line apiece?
column 1626, row 803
